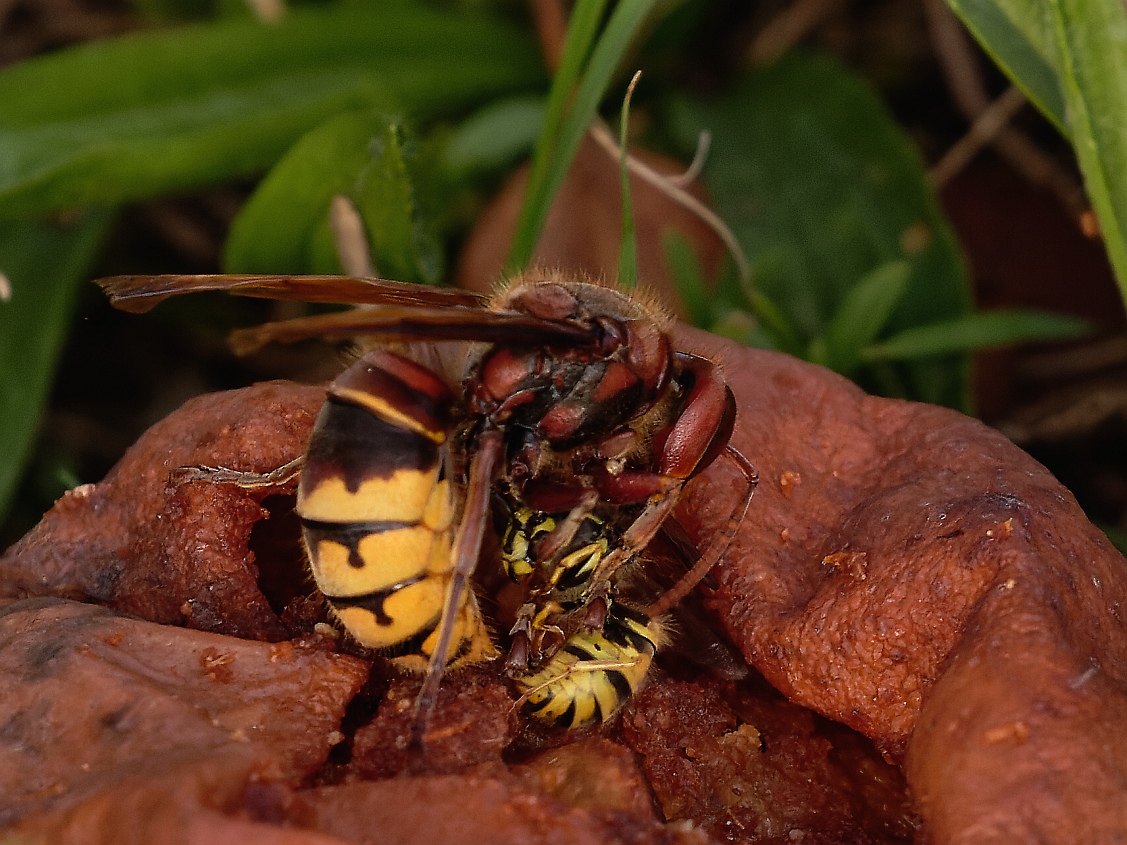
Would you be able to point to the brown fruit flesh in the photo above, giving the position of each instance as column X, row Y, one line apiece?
column 903, row 569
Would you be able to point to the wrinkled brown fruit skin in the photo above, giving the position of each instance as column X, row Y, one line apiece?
column 973, row 627
column 199, row 570
column 119, row 730
column 903, row 569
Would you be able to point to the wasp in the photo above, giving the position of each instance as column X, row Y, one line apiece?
column 595, row 672
column 576, row 680
column 572, row 403
column 590, row 674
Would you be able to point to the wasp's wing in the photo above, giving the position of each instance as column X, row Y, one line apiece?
column 416, row 323
column 694, row 636
column 138, row 294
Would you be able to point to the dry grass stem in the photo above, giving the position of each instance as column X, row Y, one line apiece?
column 350, row 238
column 788, row 28
column 670, row 188
column 990, row 122
column 958, row 60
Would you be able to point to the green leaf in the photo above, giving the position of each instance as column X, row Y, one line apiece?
column 284, row 226
column 821, row 187
column 1117, row 536
column 1004, row 327
column 172, row 110
column 496, row 136
column 582, row 28
column 45, row 264
column 1070, row 58
column 1091, row 47
column 738, row 325
column 772, row 329
column 404, row 246
column 684, row 267
column 1013, row 33
column 569, row 116
column 782, row 334
column 863, row 315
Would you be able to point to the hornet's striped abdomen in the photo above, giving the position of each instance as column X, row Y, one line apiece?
column 377, row 513
column 594, row 672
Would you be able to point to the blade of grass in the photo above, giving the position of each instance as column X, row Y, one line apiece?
column 581, row 31
column 628, row 249
column 863, row 314
column 782, row 332
column 1012, row 32
column 620, row 31
column 688, row 277
column 976, row 331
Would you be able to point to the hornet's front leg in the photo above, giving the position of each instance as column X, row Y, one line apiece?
column 681, row 450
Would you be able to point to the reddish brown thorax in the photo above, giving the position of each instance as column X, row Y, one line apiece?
column 609, row 415
column 575, row 394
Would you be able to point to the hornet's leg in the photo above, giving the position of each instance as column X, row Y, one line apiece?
column 467, row 548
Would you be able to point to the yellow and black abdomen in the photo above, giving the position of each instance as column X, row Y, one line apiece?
column 378, row 513
column 594, row 672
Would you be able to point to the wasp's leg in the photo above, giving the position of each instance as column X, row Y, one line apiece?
column 645, row 528
column 535, row 624
column 520, row 640
column 691, row 441
column 632, row 543
column 279, row 477
column 564, row 532
column 467, row 548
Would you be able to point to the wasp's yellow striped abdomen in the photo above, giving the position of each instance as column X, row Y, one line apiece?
column 594, row 672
